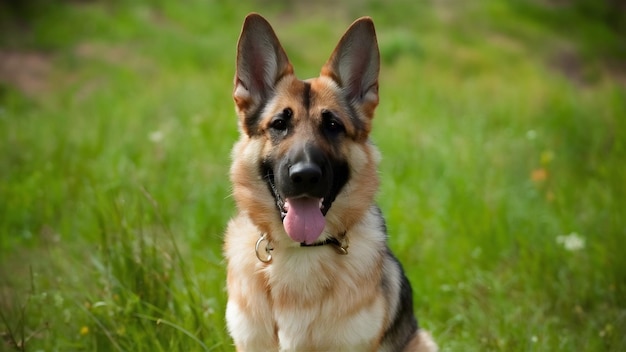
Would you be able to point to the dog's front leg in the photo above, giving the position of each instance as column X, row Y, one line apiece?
column 250, row 330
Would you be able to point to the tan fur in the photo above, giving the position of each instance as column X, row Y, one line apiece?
column 422, row 342
column 305, row 299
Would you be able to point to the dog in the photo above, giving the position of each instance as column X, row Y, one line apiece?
column 308, row 265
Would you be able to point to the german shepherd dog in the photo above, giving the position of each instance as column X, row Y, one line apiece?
column 309, row 268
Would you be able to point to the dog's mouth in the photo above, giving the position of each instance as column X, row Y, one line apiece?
column 303, row 217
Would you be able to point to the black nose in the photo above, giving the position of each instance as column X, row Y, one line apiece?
column 305, row 175
column 304, row 172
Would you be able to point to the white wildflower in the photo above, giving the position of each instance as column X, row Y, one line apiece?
column 156, row 136
column 572, row 242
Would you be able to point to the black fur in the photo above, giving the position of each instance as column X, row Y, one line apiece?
column 404, row 324
column 306, row 96
column 251, row 121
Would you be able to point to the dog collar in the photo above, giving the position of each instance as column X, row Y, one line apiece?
column 340, row 246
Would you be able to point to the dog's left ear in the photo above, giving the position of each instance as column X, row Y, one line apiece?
column 355, row 63
column 261, row 63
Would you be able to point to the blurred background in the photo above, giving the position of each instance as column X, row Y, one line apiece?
column 502, row 126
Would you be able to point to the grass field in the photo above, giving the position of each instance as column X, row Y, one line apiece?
column 502, row 126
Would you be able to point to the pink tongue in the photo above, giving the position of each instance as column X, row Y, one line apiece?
column 304, row 221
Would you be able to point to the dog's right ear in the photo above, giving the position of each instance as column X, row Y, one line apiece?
column 261, row 63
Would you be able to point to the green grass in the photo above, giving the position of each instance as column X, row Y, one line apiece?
column 501, row 126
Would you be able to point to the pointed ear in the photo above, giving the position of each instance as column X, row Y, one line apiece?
column 354, row 64
column 261, row 63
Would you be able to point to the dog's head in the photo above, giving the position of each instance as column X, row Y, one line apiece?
column 304, row 163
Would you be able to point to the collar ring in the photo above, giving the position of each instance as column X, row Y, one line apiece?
column 268, row 249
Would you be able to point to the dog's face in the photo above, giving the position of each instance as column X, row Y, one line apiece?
column 304, row 163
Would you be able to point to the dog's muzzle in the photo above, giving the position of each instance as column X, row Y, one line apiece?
column 301, row 183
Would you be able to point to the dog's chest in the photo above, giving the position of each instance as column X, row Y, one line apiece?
column 306, row 299
column 317, row 305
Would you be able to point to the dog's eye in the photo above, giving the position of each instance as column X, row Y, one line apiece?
column 280, row 121
column 330, row 123
column 279, row 124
